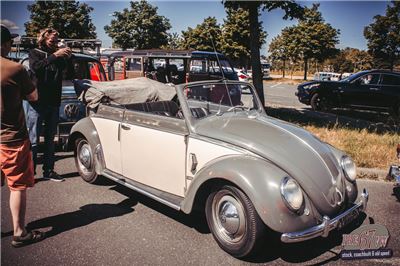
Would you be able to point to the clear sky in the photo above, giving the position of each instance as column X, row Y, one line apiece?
column 349, row 16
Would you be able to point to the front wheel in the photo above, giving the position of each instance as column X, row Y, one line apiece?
column 319, row 103
column 85, row 161
column 234, row 222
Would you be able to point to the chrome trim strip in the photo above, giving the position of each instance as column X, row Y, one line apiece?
column 139, row 188
column 327, row 225
column 225, row 145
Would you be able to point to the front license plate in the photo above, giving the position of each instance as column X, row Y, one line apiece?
column 348, row 218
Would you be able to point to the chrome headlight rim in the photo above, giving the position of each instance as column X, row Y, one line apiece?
column 285, row 200
column 343, row 163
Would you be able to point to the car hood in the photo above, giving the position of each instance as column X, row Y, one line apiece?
column 293, row 149
column 320, row 82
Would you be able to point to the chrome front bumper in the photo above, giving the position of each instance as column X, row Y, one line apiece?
column 328, row 224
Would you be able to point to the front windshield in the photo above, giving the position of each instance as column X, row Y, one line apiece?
column 218, row 98
column 353, row 76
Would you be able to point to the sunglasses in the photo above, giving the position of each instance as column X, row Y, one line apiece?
column 50, row 31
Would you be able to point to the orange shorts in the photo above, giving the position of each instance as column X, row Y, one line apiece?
column 17, row 165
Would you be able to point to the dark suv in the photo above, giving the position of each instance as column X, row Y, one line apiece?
column 377, row 90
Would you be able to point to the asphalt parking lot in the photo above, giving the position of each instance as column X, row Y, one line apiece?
column 111, row 225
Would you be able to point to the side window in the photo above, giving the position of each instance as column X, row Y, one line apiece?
column 80, row 70
column 369, row 79
column 134, row 64
column 214, row 67
column 391, row 80
column 198, row 66
column 96, row 71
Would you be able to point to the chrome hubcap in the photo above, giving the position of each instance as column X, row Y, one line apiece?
column 85, row 157
column 228, row 217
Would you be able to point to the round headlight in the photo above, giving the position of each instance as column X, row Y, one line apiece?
column 349, row 168
column 291, row 194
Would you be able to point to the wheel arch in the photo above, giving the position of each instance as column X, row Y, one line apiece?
column 85, row 128
column 259, row 179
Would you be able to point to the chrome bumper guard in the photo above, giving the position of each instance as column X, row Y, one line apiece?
column 328, row 224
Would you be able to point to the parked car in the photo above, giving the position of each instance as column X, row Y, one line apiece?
column 71, row 110
column 372, row 89
column 242, row 75
column 170, row 66
column 210, row 146
column 265, row 69
column 326, row 76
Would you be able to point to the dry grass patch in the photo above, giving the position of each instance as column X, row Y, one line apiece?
column 370, row 150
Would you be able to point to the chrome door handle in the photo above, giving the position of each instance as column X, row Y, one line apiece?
column 374, row 89
column 125, row 126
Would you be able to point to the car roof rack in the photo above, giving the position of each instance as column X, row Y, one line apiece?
column 77, row 45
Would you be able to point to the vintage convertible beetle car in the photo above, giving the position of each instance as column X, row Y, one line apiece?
column 209, row 145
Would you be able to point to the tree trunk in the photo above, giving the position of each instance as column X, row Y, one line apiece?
column 305, row 68
column 255, row 50
column 284, row 68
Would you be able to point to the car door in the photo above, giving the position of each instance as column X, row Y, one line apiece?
column 153, row 151
column 390, row 90
column 362, row 91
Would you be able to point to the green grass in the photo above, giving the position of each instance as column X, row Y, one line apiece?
column 370, row 144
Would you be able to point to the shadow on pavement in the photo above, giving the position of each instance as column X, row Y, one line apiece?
column 196, row 221
column 301, row 252
column 373, row 122
column 86, row 214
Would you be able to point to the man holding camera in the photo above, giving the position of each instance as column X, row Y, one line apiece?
column 46, row 64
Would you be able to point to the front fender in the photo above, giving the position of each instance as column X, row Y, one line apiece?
column 260, row 180
column 86, row 128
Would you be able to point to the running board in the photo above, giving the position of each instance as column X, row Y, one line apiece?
column 168, row 199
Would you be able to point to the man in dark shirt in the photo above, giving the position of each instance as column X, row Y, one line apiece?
column 16, row 158
column 47, row 64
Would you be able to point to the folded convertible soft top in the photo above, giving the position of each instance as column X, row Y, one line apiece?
column 128, row 91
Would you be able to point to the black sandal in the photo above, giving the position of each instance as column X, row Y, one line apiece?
column 28, row 238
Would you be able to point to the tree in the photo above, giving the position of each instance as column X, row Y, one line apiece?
column 383, row 36
column 203, row 36
column 283, row 48
column 139, row 27
column 174, row 41
column 292, row 10
column 313, row 38
column 236, row 36
column 71, row 19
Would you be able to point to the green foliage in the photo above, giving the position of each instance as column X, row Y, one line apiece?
column 236, row 36
column 351, row 60
column 174, row 41
column 71, row 19
column 203, row 36
column 139, row 27
column 311, row 38
column 383, row 36
column 291, row 10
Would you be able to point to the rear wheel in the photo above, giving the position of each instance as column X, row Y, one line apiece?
column 319, row 103
column 234, row 222
column 84, row 160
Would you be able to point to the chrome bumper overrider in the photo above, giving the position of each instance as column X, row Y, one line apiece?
column 328, row 224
